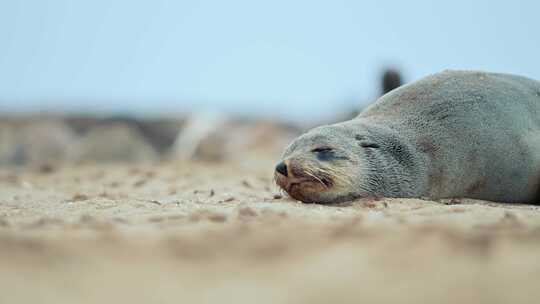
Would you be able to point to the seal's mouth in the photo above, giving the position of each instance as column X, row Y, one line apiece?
column 303, row 185
column 298, row 183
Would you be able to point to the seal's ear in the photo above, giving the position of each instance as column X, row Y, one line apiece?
column 364, row 143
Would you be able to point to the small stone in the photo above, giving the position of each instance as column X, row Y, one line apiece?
column 79, row 197
column 452, row 201
column 139, row 183
column 114, row 184
column 46, row 168
column 246, row 211
column 120, row 220
column 217, row 217
column 156, row 219
column 4, row 223
column 229, row 199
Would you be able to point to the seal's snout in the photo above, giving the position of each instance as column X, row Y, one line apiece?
column 304, row 180
column 281, row 168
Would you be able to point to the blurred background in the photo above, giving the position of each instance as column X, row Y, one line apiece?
column 146, row 70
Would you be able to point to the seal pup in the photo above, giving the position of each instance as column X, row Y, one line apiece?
column 450, row 135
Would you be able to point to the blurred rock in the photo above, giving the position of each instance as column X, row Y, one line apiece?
column 114, row 142
column 160, row 133
column 200, row 128
column 391, row 79
column 8, row 145
column 213, row 137
column 36, row 143
column 205, row 136
column 82, row 124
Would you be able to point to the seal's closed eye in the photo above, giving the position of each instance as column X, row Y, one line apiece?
column 324, row 153
column 369, row 145
column 324, row 149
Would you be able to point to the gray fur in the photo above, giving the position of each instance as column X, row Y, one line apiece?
column 452, row 134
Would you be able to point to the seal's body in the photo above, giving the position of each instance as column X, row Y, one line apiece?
column 452, row 134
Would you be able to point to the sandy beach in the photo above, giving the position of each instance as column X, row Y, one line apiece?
column 204, row 232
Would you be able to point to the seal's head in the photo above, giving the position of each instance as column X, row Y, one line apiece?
column 323, row 166
column 341, row 162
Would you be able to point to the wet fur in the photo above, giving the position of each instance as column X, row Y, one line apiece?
column 452, row 134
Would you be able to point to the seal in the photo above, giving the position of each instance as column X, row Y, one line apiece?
column 453, row 134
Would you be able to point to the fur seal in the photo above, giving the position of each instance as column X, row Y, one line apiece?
column 450, row 135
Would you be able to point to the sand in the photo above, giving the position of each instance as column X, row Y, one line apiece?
column 188, row 232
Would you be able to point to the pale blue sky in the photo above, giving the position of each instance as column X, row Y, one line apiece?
column 278, row 58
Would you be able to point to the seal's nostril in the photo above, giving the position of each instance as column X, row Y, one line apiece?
column 282, row 168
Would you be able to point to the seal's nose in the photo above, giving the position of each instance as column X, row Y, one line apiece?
column 281, row 168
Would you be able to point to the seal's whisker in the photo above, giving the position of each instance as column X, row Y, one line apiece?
column 335, row 174
column 275, row 180
column 315, row 177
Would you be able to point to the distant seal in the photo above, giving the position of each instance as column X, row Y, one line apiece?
column 453, row 134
